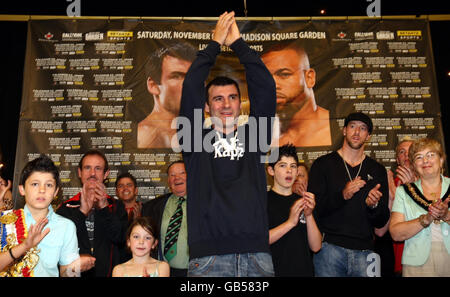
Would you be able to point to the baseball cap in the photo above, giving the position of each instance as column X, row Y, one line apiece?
column 359, row 116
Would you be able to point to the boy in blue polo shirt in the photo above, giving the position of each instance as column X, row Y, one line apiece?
column 56, row 244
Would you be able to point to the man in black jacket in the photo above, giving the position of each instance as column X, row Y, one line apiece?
column 161, row 209
column 226, row 182
column 101, row 222
column 352, row 199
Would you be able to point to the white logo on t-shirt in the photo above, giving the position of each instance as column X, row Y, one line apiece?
column 224, row 149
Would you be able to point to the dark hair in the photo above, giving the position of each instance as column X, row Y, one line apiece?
column 179, row 50
column 359, row 116
column 287, row 150
column 126, row 175
column 221, row 81
column 304, row 165
column 173, row 163
column 93, row 152
column 145, row 222
column 41, row 164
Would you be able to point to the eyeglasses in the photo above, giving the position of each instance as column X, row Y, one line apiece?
column 420, row 158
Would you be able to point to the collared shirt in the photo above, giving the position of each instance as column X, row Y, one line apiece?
column 181, row 259
column 417, row 248
column 59, row 246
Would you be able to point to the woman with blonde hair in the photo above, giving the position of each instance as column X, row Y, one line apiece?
column 420, row 214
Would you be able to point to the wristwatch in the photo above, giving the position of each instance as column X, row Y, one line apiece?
column 422, row 221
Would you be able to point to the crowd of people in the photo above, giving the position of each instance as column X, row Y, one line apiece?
column 345, row 216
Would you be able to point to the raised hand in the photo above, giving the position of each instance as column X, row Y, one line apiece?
column 35, row 234
column 233, row 34
column 405, row 174
column 223, row 25
column 295, row 211
column 100, row 195
column 310, row 203
column 374, row 196
column 87, row 197
column 439, row 209
column 299, row 187
column 352, row 187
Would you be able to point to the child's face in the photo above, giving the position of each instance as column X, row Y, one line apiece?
column 285, row 172
column 39, row 190
column 141, row 242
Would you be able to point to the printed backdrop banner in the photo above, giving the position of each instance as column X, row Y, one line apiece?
column 115, row 85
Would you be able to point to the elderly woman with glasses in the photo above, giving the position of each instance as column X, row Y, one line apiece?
column 420, row 214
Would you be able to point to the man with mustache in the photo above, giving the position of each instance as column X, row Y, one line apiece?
column 101, row 222
column 301, row 121
column 352, row 199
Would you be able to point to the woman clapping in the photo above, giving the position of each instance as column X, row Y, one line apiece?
column 420, row 213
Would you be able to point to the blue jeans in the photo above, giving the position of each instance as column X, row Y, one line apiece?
column 232, row 265
column 333, row 260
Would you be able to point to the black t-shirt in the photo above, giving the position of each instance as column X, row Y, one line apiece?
column 348, row 223
column 291, row 255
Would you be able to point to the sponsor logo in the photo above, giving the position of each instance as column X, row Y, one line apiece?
column 119, row 35
column 409, row 34
column 385, row 35
column 341, row 35
column 72, row 36
column 363, row 35
column 48, row 37
column 94, row 36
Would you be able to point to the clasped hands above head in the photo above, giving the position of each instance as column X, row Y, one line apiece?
column 226, row 31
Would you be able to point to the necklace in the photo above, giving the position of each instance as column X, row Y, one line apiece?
column 348, row 172
column 435, row 198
